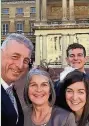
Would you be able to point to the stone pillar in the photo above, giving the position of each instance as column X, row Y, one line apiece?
column 71, row 38
column 44, row 10
column 71, row 10
column 12, row 26
column 38, row 6
column 44, row 47
column 64, row 10
column 64, row 47
column 26, row 24
column 37, row 50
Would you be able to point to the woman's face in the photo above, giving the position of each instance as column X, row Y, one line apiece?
column 76, row 96
column 39, row 90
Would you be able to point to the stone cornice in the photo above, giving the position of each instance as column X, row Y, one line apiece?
column 18, row 2
column 62, row 26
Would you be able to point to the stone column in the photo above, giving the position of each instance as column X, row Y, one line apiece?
column 64, row 10
column 44, row 47
column 38, row 10
column 64, row 47
column 26, row 24
column 71, row 38
column 44, row 10
column 12, row 26
column 37, row 50
column 71, row 9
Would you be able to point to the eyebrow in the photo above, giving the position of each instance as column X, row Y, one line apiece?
column 20, row 55
column 77, row 54
column 16, row 53
column 72, row 89
column 35, row 82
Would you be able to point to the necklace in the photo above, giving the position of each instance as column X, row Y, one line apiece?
column 44, row 121
column 44, row 124
column 40, row 125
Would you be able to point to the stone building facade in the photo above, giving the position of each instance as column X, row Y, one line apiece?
column 51, row 24
column 58, row 24
column 18, row 16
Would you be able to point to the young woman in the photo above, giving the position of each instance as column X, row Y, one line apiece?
column 40, row 96
column 74, row 92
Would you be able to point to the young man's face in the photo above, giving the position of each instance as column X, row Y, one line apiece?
column 76, row 58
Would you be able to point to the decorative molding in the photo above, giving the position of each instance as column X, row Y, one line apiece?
column 56, row 10
column 18, row 2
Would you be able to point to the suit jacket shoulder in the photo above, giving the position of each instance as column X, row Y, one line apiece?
column 8, row 113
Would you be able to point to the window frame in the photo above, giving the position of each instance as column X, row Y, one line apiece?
column 19, row 11
column 4, row 11
column 19, row 28
column 31, row 10
column 5, row 28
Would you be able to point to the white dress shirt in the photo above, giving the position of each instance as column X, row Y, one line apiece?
column 5, row 85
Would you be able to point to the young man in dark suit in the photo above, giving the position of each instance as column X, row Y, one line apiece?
column 15, row 56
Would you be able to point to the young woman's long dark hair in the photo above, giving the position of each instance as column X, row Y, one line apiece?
column 73, row 77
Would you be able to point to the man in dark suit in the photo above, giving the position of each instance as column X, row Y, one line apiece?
column 15, row 56
column 76, row 58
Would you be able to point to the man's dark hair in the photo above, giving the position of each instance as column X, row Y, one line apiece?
column 75, row 46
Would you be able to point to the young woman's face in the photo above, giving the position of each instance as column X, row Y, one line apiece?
column 39, row 90
column 76, row 96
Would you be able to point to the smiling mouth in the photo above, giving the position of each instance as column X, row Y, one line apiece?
column 76, row 63
column 16, row 72
column 39, row 96
column 75, row 103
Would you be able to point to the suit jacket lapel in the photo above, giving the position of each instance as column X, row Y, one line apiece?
column 5, row 99
column 20, row 111
column 7, row 105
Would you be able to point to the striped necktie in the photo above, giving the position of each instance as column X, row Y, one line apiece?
column 13, row 100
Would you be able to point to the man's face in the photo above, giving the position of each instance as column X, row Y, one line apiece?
column 14, row 61
column 76, row 58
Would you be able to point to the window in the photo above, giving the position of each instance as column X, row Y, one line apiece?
column 19, row 27
column 19, row 10
column 32, row 10
column 5, row 11
column 5, row 29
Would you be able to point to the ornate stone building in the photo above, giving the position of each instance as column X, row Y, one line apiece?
column 55, row 24
column 18, row 16
column 58, row 24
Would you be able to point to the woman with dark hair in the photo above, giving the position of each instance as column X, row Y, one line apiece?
column 40, row 96
column 74, row 92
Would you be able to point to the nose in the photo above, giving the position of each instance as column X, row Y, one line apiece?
column 75, row 96
column 39, row 88
column 75, row 57
column 20, row 63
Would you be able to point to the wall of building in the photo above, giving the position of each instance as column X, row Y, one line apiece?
column 53, row 36
column 51, row 44
column 12, row 18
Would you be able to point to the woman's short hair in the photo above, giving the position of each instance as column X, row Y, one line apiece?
column 36, row 71
column 73, row 77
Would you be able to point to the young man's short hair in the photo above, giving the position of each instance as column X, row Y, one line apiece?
column 75, row 46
